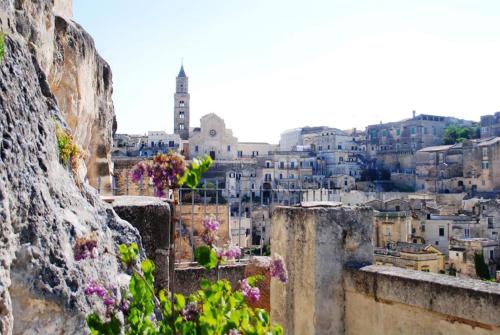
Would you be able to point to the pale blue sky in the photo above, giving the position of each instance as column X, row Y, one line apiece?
column 269, row 65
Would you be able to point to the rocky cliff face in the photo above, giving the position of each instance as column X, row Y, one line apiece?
column 42, row 211
column 81, row 82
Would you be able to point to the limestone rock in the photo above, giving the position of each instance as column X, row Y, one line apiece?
column 81, row 82
column 42, row 210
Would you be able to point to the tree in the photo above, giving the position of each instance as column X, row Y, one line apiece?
column 482, row 269
column 457, row 134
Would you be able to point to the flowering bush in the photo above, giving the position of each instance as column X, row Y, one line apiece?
column 213, row 309
column 169, row 171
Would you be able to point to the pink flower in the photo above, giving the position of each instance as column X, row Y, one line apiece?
column 211, row 224
column 249, row 292
column 232, row 252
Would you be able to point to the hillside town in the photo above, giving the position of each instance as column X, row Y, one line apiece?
column 387, row 228
column 436, row 205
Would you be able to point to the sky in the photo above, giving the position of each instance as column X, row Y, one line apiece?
column 265, row 66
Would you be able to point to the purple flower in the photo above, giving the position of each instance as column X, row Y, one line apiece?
column 278, row 269
column 211, row 224
column 164, row 172
column 249, row 292
column 233, row 332
column 232, row 252
column 123, row 306
column 138, row 171
column 86, row 247
column 190, row 312
column 254, row 294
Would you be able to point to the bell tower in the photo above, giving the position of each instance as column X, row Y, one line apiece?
column 181, row 105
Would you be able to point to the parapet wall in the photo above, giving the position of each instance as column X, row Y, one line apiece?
column 389, row 300
column 330, row 292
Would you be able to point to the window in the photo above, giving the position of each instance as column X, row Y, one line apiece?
column 181, row 126
column 240, row 153
column 340, row 147
column 398, row 208
column 181, row 115
column 413, row 130
column 490, row 223
column 196, row 148
column 292, row 176
column 436, row 243
column 492, row 254
column 425, row 131
column 485, row 165
column 268, row 164
column 466, row 233
column 292, row 165
column 341, row 159
column 228, row 148
column 281, row 176
column 282, row 165
column 181, row 103
column 441, row 231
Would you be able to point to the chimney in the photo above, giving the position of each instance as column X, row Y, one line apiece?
column 414, row 114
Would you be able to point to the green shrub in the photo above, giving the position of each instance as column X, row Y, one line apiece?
column 482, row 269
column 2, row 45
column 69, row 152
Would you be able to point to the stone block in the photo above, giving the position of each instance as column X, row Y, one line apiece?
column 317, row 244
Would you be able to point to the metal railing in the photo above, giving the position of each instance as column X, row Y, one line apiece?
column 244, row 213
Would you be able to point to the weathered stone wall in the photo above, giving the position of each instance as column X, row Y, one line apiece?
column 388, row 300
column 42, row 210
column 187, row 279
column 329, row 293
column 316, row 244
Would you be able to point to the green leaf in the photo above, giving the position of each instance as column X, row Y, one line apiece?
column 277, row 330
column 147, row 266
column 189, row 328
column 206, row 257
column 180, row 302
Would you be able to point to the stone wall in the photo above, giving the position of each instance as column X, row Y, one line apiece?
column 316, row 243
column 330, row 293
column 389, row 300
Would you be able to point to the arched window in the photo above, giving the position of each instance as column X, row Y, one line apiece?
column 181, row 103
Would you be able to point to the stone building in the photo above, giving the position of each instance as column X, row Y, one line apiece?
column 392, row 221
column 461, row 255
column 393, row 145
column 342, row 152
column 490, row 125
column 411, row 256
column 213, row 138
column 471, row 166
column 181, row 105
